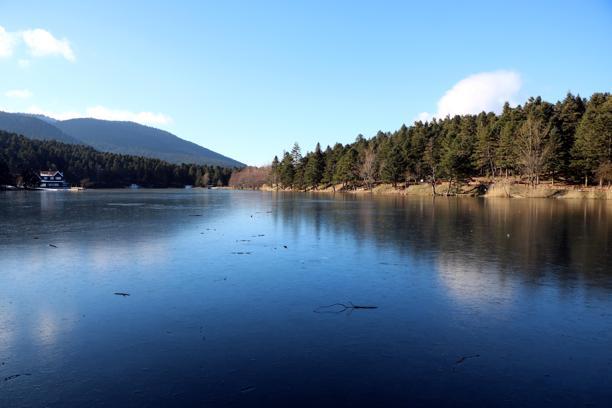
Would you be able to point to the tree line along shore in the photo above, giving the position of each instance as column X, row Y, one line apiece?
column 535, row 149
column 21, row 159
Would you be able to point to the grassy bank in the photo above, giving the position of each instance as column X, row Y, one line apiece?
column 477, row 188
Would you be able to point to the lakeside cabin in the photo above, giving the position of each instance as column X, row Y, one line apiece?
column 52, row 180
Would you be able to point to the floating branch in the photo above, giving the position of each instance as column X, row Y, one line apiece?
column 12, row 377
column 122, row 294
column 341, row 307
column 463, row 358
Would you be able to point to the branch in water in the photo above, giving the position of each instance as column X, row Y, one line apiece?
column 341, row 307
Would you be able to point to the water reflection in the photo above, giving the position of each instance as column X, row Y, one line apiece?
column 564, row 240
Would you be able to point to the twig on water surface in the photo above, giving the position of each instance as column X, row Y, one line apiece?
column 463, row 358
column 341, row 307
column 12, row 377
column 122, row 294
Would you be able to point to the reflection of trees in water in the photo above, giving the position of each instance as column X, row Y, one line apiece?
column 121, row 215
column 567, row 240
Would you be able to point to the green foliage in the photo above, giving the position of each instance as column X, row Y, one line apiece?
column 566, row 119
column 84, row 165
column 5, row 174
column 347, row 171
column 331, row 161
column 487, row 141
column 315, row 165
column 593, row 145
column 286, row 171
column 393, row 165
column 457, row 147
column 535, row 140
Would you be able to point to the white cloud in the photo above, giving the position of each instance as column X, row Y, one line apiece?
column 101, row 112
column 39, row 42
column 55, row 115
column 18, row 93
column 423, row 116
column 7, row 43
column 42, row 43
column 486, row 91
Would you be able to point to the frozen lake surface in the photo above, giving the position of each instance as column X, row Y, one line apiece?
column 480, row 302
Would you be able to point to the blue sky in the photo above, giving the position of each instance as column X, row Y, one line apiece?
column 248, row 78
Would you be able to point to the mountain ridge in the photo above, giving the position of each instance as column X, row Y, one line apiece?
column 122, row 137
column 33, row 127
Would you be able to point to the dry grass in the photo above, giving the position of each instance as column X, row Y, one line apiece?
column 505, row 188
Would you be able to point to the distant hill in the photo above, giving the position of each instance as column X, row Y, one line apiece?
column 132, row 138
column 41, row 117
column 114, row 137
column 33, row 127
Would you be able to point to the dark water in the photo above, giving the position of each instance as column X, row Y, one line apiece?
column 480, row 302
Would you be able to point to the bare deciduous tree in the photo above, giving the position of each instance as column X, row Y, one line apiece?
column 534, row 148
column 604, row 173
column 250, row 177
column 368, row 167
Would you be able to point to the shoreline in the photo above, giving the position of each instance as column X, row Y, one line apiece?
column 478, row 189
column 484, row 190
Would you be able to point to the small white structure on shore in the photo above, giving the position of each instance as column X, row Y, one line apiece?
column 52, row 180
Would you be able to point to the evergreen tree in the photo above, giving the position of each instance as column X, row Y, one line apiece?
column 5, row 174
column 393, row 166
column 274, row 172
column 506, row 154
column 347, row 170
column 287, row 171
column 299, row 179
column 593, row 145
column 566, row 120
column 82, row 164
column 536, row 138
column 417, row 143
column 486, row 144
column 315, row 165
column 296, row 155
column 330, row 166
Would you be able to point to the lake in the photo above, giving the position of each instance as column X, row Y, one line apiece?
column 481, row 302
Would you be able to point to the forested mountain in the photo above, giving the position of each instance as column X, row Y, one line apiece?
column 114, row 137
column 21, row 158
column 132, row 138
column 33, row 127
column 570, row 140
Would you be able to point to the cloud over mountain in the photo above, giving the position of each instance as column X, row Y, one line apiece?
column 39, row 42
column 104, row 113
